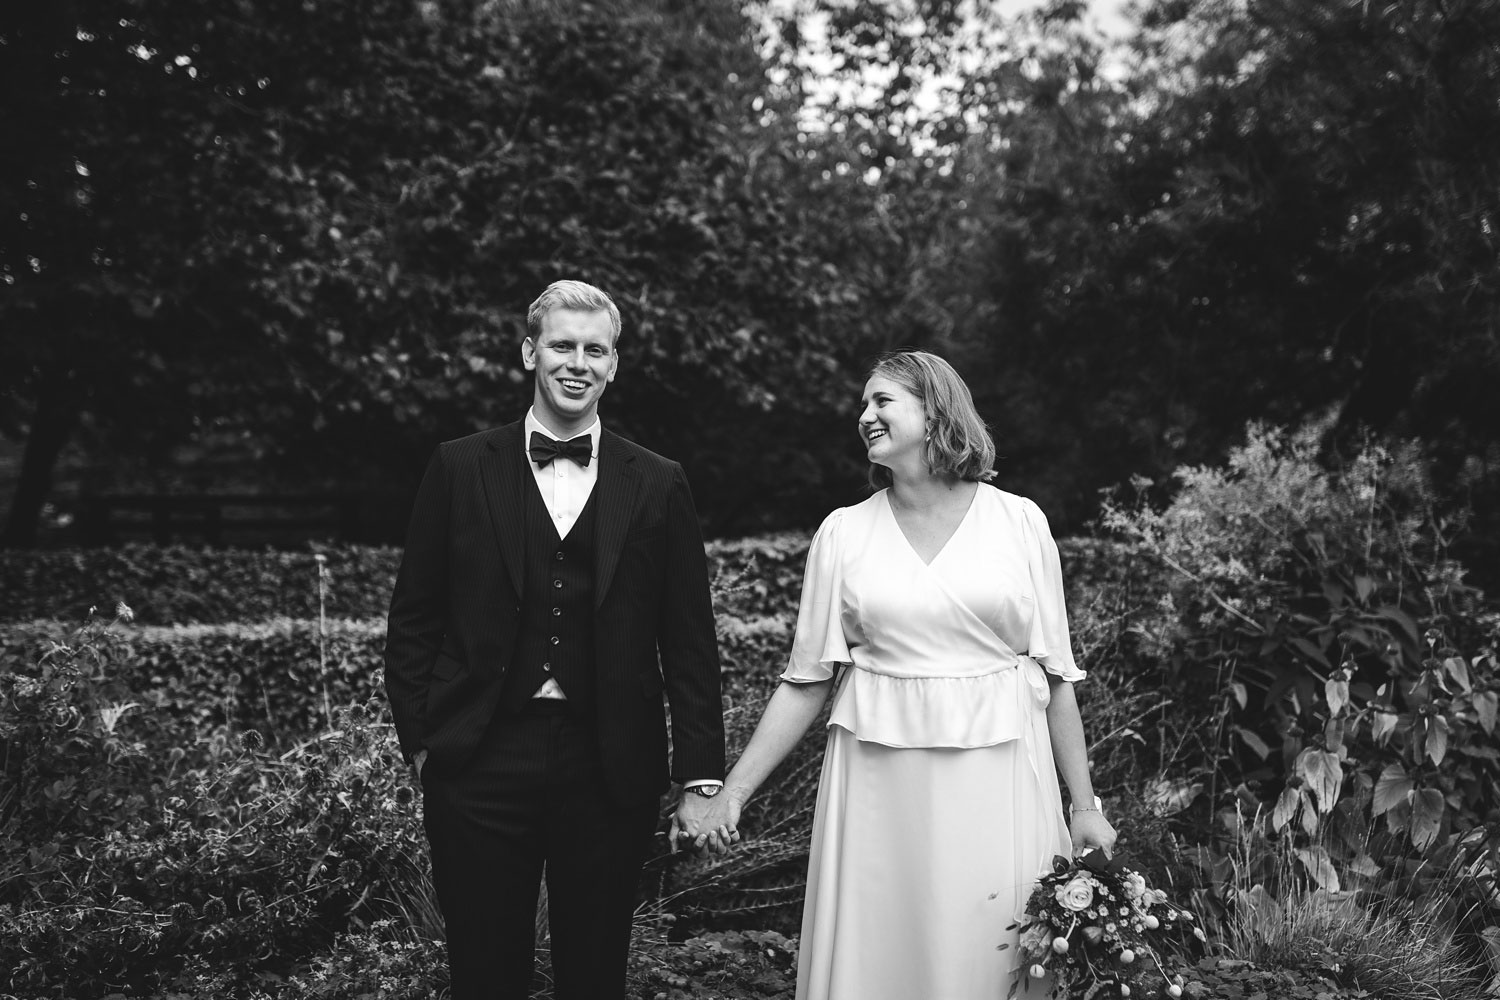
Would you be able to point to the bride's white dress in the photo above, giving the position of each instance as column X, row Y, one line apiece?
column 939, row 802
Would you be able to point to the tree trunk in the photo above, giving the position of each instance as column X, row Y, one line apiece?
column 52, row 424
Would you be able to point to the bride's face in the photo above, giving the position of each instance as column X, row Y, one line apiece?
column 892, row 422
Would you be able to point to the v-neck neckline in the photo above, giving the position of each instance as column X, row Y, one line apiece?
column 968, row 511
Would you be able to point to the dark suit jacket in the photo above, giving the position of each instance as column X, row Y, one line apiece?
column 455, row 612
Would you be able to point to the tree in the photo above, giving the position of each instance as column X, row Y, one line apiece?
column 318, row 226
column 1284, row 207
column 106, row 215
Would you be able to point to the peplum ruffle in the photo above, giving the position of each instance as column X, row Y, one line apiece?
column 958, row 712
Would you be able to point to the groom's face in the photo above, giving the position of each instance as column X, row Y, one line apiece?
column 574, row 359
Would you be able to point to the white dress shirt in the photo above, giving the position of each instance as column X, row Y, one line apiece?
column 565, row 485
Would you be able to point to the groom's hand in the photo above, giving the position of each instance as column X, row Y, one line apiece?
column 703, row 823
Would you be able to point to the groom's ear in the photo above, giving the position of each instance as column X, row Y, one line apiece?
column 528, row 355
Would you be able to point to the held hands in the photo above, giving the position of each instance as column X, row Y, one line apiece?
column 1090, row 829
column 710, row 824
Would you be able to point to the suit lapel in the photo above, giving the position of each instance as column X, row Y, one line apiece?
column 617, row 496
column 501, row 468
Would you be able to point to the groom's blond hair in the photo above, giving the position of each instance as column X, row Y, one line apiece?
column 577, row 295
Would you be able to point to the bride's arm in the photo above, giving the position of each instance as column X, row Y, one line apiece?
column 788, row 714
column 1070, row 751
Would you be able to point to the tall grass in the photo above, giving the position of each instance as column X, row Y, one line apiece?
column 1412, row 939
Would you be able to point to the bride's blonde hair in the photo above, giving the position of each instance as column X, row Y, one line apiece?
column 958, row 442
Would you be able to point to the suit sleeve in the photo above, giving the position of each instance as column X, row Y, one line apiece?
column 419, row 608
column 688, row 645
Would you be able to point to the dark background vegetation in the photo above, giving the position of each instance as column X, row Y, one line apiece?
column 1237, row 279
column 280, row 245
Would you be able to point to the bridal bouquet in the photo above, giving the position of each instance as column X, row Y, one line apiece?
column 1088, row 928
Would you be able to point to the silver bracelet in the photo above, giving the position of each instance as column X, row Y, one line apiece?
column 1097, row 807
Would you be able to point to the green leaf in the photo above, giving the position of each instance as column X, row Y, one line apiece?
column 1308, row 813
column 1323, row 774
column 1382, row 724
column 1426, row 817
column 1286, row 808
column 1337, row 693
column 1393, row 788
column 1398, row 819
column 1320, row 866
column 1459, row 671
column 1437, row 738
column 1402, row 619
column 1334, row 733
column 1485, row 703
column 1254, row 742
column 1311, row 651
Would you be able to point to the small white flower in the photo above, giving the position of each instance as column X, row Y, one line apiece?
column 123, row 612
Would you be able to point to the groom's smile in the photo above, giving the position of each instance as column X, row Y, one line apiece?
column 574, row 360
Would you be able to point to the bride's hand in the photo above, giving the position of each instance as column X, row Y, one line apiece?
column 1090, row 829
column 722, row 821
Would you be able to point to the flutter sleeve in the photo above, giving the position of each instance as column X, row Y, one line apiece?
column 1049, row 642
column 819, row 646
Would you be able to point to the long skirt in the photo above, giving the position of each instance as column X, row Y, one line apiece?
column 921, row 864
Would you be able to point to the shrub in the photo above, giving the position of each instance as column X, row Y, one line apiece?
column 273, row 677
column 128, row 848
column 177, row 584
column 1411, row 937
column 1315, row 621
column 754, row 577
column 282, row 678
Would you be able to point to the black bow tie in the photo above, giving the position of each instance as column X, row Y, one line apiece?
column 544, row 449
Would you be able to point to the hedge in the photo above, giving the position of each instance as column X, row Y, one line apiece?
column 273, row 676
column 167, row 585
column 176, row 585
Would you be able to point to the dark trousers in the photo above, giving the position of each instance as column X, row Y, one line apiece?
column 534, row 796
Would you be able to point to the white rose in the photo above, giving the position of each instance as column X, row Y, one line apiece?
column 1076, row 894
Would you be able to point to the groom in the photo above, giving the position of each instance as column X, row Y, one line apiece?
column 554, row 585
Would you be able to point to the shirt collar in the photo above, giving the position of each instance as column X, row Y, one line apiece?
column 595, row 430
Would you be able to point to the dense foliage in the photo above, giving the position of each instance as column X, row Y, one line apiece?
column 1340, row 680
column 316, row 228
column 138, row 840
column 306, row 235
column 131, row 754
